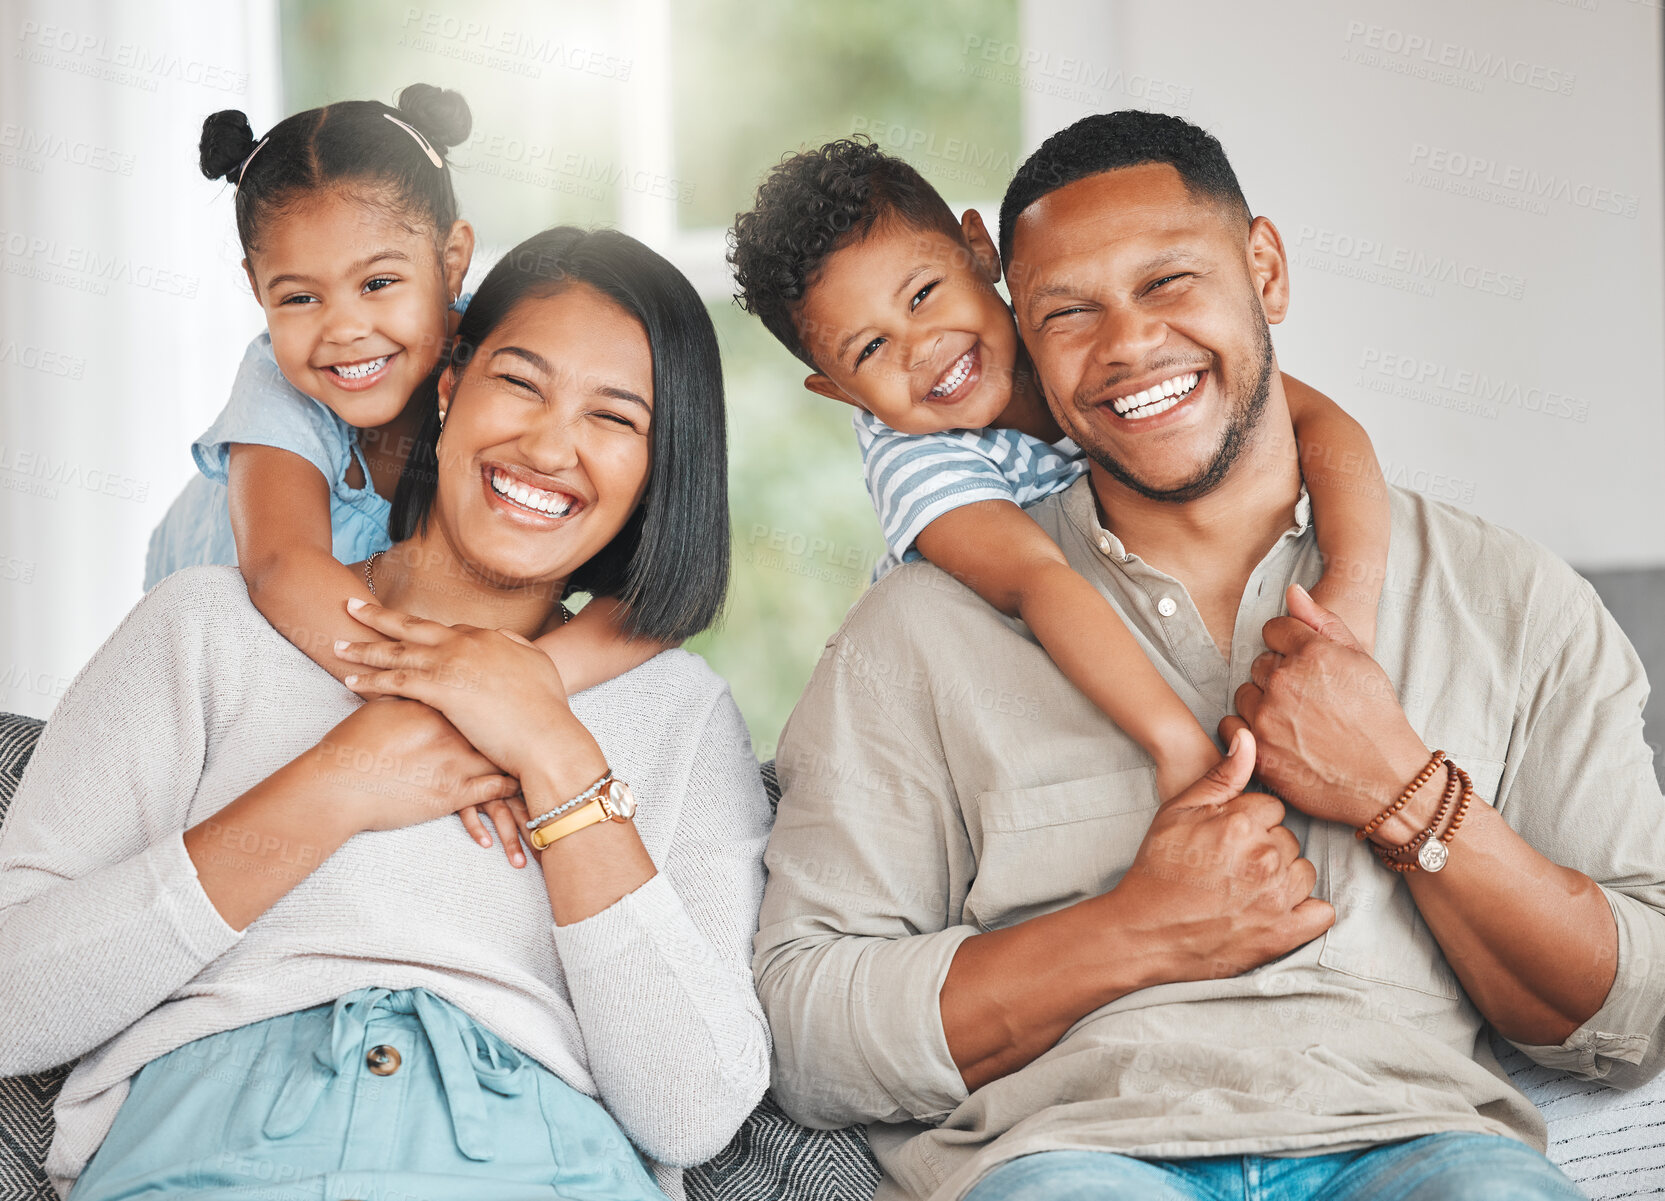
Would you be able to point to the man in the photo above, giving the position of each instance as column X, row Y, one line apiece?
column 983, row 935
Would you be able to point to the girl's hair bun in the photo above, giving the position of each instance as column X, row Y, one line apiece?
column 439, row 114
column 226, row 142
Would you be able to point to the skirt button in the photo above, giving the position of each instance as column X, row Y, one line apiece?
column 383, row 1060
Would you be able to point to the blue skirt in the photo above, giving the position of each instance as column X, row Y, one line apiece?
column 385, row 1095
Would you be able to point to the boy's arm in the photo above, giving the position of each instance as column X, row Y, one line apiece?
column 280, row 517
column 998, row 550
column 1349, row 505
column 593, row 647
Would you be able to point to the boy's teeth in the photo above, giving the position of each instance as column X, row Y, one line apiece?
column 360, row 370
column 955, row 377
column 552, row 503
column 1158, row 398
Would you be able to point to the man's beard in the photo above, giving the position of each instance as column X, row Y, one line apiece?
column 1244, row 419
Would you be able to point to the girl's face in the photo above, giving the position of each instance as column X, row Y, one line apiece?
column 356, row 300
column 546, row 443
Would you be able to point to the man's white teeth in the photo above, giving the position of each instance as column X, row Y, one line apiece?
column 552, row 503
column 956, row 375
column 1158, row 398
column 360, row 370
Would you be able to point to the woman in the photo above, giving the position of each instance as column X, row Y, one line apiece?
column 224, row 884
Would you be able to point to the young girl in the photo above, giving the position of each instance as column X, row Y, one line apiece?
column 355, row 252
column 857, row 265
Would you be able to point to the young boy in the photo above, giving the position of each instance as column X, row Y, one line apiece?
column 859, row 267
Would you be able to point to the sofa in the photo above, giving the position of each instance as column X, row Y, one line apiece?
column 1611, row 1142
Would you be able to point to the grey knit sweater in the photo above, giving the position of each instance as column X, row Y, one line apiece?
column 110, row 949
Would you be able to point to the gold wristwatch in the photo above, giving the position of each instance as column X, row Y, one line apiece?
column 615, row 803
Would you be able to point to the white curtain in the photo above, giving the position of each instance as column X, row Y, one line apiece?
column 123, row 312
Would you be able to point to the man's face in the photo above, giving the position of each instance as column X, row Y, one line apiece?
column 1145, row 310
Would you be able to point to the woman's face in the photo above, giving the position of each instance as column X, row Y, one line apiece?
column 545, row 450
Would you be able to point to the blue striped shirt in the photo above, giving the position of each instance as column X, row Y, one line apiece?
column 916, row 478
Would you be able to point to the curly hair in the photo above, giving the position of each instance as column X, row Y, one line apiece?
column 810, row 205
column 1129, row 138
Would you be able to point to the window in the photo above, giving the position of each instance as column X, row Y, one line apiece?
column 660, row 119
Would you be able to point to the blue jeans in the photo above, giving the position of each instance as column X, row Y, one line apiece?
column 1437, row 1167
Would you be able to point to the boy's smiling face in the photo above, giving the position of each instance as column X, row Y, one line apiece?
column 906, row 323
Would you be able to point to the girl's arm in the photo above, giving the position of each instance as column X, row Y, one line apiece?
column 593, row 647
column 280, row 517
column 1027, row 576
column 1349, row 505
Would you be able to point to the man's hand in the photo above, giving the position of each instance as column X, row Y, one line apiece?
column 1333, row 740
column 1222, row 876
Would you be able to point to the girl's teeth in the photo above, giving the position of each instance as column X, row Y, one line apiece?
column 552, row 503
column 360, row 370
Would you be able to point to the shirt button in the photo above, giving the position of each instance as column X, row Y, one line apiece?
column 383, row 1060
column 1104, row 543
column 1166, row 606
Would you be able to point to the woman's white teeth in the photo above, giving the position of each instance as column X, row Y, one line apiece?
column 360, row 370
column 956, row 374
column 1158, row 398
column 552, row 503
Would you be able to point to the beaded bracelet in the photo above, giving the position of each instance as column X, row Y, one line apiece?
column 1422, row 777
column 1446, row 797
column 1440, row 854
column 1391, row 856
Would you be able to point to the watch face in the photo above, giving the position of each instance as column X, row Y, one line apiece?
column 620, row 799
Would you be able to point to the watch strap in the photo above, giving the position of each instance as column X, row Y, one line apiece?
column 586, row 815
column 590, row 793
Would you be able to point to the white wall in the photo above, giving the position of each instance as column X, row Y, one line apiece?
column 122, row 313
column 1441, row 174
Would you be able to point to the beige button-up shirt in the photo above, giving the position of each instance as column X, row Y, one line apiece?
column 942, row 778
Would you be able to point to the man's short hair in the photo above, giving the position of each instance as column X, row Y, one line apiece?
column 1129, row 138
column 811, row 204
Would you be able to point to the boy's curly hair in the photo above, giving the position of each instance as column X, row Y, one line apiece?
column 809, row 205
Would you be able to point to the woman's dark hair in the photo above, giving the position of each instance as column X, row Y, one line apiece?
column 351, row 141
column 669, row 565
column 810, row 205
column 1128, row 138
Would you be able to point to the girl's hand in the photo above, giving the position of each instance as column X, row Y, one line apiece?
column 502, row 693
column 502, row 815
column 395, row 763
column 518, row 817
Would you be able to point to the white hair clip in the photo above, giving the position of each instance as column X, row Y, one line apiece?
column 246, row 161
column 420, row 141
